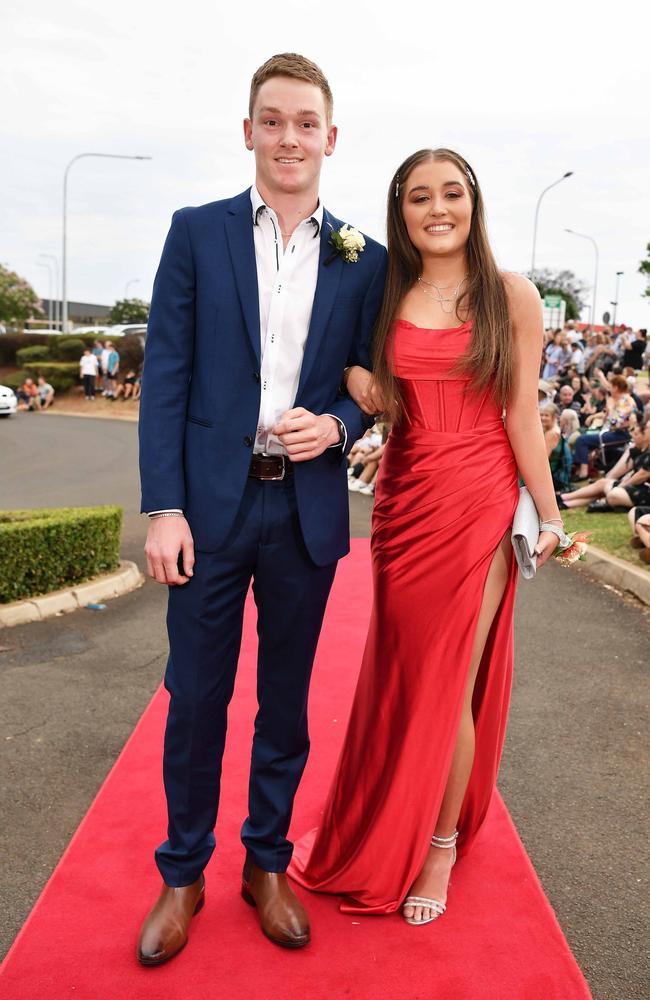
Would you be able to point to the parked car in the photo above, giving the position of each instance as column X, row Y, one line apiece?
column 8, row 401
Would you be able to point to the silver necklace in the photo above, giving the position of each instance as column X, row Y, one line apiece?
column 438, row 296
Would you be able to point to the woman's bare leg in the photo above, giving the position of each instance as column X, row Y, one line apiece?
column 434, row 877
column 584, row 495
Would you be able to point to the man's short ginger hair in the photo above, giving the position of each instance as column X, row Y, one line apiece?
column 296, row 68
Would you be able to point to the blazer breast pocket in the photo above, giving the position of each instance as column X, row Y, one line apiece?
column 199, row 420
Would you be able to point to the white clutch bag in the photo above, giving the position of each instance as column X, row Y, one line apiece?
column 525, row 534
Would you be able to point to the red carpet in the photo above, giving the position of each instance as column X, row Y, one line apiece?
column 499, row 939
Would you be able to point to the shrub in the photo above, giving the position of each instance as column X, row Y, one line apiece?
column 46, row 549
column 37, row 352
column 70, row 349
column 11, row 343
column 61, row 375
column 15, row 379
column 131, row 352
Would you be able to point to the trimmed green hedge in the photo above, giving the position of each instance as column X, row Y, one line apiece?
column 71, row 348
column 62, row 375
column 28, row 355
column 47, row 549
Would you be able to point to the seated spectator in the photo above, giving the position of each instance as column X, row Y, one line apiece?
column 581, row 389
column 564, row 399
column 45, row 393
column 570, row 426
column 88, row 370
column 126, row 389
column 639, row 518
column 137, row 387
column 619, row 409
column 365, row 483
column 629, row 476
column 559, row 454
column 556, row 356
column 370, row 440
column 27, row 395
column 544, row 391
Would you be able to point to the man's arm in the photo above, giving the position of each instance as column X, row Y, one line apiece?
column 345, row 408
column 169, row 352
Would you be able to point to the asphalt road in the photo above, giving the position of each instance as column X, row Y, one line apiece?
column 576, row 752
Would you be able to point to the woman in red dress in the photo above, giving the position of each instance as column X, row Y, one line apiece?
column 457, row 352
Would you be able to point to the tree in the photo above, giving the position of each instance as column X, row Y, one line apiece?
column 18, row 300
column 562, row 283
column 129, row 311
column 644, row 269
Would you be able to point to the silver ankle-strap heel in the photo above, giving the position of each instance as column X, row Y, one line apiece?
column 434, row 905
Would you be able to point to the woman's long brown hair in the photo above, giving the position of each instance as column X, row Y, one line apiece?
column 488, row 360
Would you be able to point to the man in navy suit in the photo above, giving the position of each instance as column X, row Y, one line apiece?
column 260, row 303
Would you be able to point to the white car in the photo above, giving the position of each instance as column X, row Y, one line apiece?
column 8, row 401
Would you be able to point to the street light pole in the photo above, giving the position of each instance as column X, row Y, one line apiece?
column 615, row 303
column 569, row 173
column 64, row 282
column 583, row 236
column 56, row 312
column 50, row 304
column 132, row 281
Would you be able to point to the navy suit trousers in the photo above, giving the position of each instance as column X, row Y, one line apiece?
column 204, row 622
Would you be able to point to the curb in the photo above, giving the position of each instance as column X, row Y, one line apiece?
column 617, row 573
column 101, row 588
column 127, row 418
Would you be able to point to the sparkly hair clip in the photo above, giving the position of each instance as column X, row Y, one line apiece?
column 470, row 175
column 397, row 186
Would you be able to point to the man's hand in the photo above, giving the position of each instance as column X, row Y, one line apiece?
column 304, row 435
column 361, row 385
column 166, row 538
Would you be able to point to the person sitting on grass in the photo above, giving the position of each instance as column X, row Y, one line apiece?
column 558, row 451
column 45, row 393
column 565, row 399
column 570, row 426
column 370, row 440
column 27, row 395
column 126, row 389
column 627, row 484
column 619, row 409
column 639, row 518
column 366, row 481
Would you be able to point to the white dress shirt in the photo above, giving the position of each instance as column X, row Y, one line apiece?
column 286, row 284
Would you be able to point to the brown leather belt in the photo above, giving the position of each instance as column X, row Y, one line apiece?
column 270, row 467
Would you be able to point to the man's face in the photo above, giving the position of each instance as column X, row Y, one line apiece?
column 289, row 135
column 566, row 395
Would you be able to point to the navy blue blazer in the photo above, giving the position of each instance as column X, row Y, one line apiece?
column 201, row 380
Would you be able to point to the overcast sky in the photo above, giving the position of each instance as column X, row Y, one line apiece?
column 525, row 92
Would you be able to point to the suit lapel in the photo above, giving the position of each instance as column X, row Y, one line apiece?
column 239, row 233
column 327, row 284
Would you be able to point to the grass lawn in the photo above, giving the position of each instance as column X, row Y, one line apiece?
column 610, row 532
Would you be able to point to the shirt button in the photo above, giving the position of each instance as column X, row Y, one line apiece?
column 248, row 441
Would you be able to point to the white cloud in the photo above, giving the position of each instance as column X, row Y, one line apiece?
column 526, row 93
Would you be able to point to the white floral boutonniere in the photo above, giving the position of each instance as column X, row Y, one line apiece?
column 348, row 243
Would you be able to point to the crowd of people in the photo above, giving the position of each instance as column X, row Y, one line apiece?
column 99, row 374
column 99, row 370
column 595, row 411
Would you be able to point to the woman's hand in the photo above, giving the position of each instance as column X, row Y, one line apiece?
column 546, row 546
column 361, row 385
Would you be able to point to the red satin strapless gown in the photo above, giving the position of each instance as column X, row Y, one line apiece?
column 446, row 495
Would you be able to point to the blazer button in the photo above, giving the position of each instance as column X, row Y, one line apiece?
column 248, row 441
column 256, row 376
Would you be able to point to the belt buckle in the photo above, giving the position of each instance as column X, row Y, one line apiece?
column 278, row 479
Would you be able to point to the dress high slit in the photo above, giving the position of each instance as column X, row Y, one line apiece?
column 446, row 496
